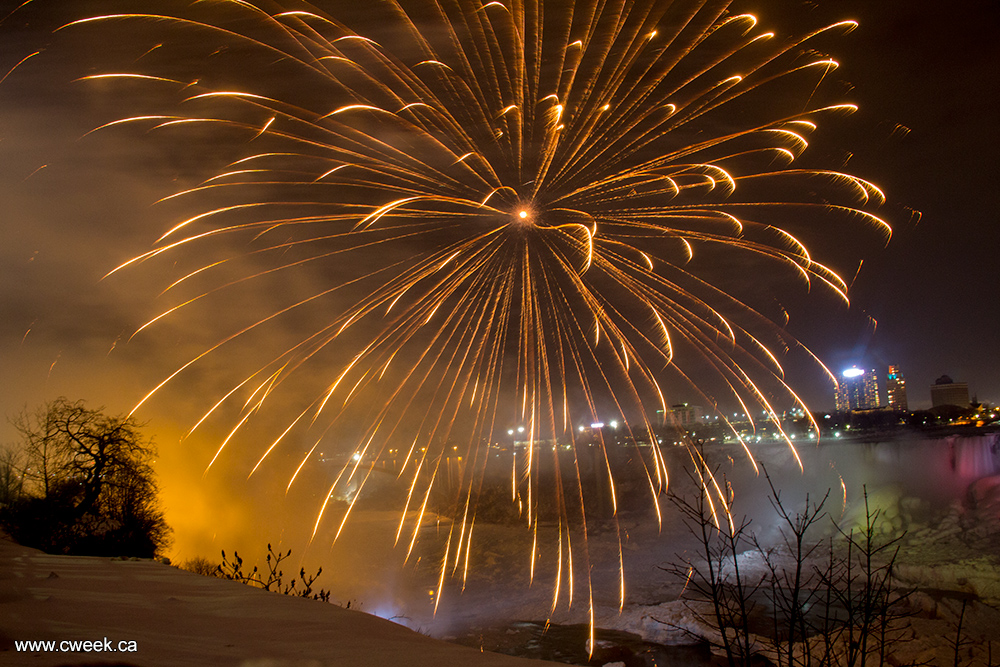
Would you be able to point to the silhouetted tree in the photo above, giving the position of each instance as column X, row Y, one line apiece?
column 88, row 484
column 11, row 477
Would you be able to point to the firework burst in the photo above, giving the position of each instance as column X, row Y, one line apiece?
column 502, row 208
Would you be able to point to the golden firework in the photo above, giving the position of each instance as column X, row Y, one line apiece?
column 501, row 208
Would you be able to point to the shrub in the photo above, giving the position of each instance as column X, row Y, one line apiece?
column 273, row 578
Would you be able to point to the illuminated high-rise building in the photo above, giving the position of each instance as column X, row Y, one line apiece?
column 857, row 390
column 895, row 390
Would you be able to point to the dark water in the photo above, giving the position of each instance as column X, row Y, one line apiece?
column 568, row 644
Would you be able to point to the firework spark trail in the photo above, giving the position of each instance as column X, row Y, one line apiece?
column 506, row 208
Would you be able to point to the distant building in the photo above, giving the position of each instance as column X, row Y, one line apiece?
column 895, row 390
column 857, row 390
column 946, row 391
column 683, row 414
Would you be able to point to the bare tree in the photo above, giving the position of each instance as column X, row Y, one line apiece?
column 714, row 574
column 89, row 483
column 43, row 460
column 11, row 476
column 848, row 612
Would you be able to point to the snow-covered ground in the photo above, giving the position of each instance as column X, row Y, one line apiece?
column 176, row 618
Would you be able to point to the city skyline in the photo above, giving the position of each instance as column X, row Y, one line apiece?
column 892, row 386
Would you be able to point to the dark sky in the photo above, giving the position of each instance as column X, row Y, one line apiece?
column 925, row 76
column 932, row 68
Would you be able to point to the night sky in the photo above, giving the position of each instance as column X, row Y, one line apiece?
column 925, row 76
column 932, row 68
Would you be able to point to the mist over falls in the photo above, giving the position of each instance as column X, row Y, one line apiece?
column 936, row 492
